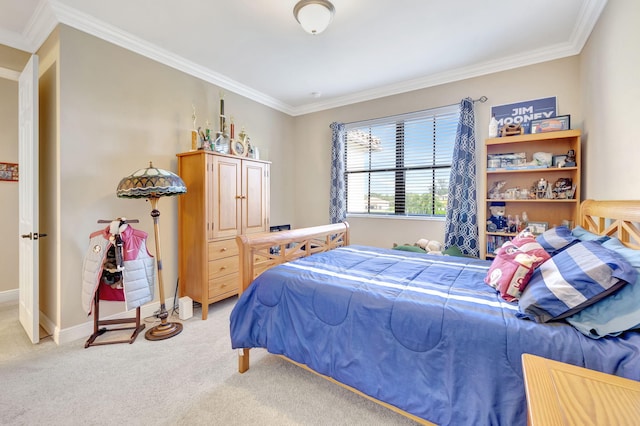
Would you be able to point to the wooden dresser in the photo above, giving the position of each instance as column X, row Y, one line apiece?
column 226, row 196
column 563, row 394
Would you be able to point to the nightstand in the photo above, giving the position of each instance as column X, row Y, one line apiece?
column 563, row 394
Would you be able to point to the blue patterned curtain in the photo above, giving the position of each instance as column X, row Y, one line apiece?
column 338, row 195
column 462, row 210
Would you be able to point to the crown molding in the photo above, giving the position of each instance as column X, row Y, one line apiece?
column 14, row 40
column 40, row 25
column 9, row 74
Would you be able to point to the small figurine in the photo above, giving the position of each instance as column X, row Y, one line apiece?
column 494, row 192
column 570, row 161
column 541, row 188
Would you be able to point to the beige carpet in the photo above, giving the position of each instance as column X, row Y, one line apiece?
column 190, row 379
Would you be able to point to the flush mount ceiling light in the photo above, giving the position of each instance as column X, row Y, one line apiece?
column 314, row 15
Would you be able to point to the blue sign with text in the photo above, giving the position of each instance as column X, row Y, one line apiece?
column 523, row 112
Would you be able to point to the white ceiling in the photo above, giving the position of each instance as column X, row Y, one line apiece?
column 372, row 48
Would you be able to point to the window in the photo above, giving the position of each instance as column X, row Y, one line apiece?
column 400, row 165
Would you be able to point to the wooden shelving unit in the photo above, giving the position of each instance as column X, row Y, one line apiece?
column 551, row 211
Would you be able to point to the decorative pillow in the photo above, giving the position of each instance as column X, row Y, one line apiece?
column 514, row 264
column 572, row 280
column 527, row 242
column 556, row 239
column 618, row 312
column 583, row 235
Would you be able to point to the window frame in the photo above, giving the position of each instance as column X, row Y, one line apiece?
column 449, row 114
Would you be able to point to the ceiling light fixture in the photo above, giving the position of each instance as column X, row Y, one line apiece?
column 314, row 15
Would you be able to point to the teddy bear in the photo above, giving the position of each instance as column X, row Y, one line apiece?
column 430, row 246
column 497, row 222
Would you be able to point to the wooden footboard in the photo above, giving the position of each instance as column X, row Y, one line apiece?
column 259, row 252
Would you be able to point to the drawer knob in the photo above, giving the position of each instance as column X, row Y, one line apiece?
column 224, row 249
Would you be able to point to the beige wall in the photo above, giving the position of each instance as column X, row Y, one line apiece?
column 313, row 139
column 610, row 92
column 118, row 111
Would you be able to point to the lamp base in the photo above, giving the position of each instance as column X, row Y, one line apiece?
column 163, row 331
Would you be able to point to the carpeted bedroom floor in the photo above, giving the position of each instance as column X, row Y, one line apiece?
column 190, row 379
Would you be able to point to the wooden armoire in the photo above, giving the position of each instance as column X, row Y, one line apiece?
column 226, row 196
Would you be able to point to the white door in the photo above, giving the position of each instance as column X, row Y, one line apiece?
column 28, row 199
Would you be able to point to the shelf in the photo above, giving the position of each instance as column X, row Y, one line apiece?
column 533, row 200
column 540, row 170
column 535, row 137
column 502, row 234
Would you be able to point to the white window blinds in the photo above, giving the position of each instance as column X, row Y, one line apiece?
column 400, row 165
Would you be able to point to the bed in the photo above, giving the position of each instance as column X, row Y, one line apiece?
column 424, row 335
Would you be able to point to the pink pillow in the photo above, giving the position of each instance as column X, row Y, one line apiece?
column 527, row 242
column 514, row 264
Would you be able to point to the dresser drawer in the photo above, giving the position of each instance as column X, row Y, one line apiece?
column 223, row 287
column 225, row 266
column 224, row 248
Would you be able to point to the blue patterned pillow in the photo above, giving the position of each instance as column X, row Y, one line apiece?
column 556, row 239
column 618, row 312
column 572, row 280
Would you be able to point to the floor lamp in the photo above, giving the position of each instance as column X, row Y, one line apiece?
column 152, row 183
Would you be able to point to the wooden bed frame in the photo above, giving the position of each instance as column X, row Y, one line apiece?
column 612, row 218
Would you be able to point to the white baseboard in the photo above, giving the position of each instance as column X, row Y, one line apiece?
column 9, row 295
column 84, row 330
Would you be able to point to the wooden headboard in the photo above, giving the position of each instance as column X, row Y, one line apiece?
column 259, row 252
column 620, row 219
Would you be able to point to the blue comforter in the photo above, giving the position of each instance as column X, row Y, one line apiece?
column 421, row 332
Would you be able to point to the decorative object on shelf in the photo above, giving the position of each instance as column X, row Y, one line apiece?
column 570, row 160
column 558, row 161
column 538, row 227
column 541, row 188
column 562, row 122
column 194, row 131
column 511, row 130
column 207, row 142
column 561, row 187
column 497, row 222
column 314, row 15
column 525, row 112
column 494, row 192
column 238, row 148
column 152, row 183
column 493, row 127
column 542, row 159
column 9, row 171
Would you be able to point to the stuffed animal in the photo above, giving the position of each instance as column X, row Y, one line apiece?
column 430, row 246
column 497, row 222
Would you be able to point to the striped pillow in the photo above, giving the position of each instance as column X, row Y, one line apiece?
column 572, row 280
column 556, row 239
